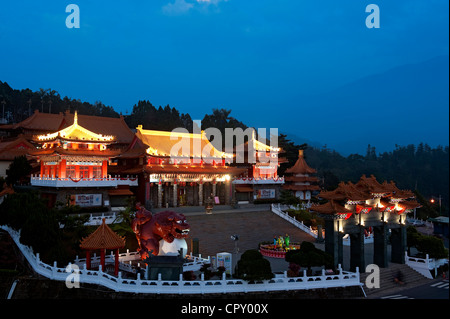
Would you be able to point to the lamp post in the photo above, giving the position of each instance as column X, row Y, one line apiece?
column 235, row 238
column 440, row 203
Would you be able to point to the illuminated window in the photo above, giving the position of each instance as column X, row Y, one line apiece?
column 84, row 171
column 97, row 172
column 70, row 171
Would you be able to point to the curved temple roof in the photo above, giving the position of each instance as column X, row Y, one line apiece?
column 102, row 238
column 76, row 132
column 179, row 144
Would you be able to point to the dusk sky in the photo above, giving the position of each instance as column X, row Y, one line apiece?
column 275, row 64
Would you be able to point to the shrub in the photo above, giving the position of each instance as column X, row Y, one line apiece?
column 309, row 256
column 253, row 266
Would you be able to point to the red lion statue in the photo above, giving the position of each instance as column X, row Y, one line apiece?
column 150, row 229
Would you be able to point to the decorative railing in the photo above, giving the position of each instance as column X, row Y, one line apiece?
column 425, row 265
column 202, row 286
column 276, row 209
column 83, row 182
column 256, row 180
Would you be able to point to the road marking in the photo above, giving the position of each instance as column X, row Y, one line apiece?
column 440, row 284
column 396, row 297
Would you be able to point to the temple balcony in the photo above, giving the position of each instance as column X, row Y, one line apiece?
column 259, row 180
column 83, row 182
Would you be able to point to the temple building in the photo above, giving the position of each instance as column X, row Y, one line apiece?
column 367, row 205
column 177, row 169
column 99, row 161
column 260, row 162
column 73, row 166
column 300, row 179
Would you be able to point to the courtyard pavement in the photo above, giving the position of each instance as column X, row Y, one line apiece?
column 252, row 223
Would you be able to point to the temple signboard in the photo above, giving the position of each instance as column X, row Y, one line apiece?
column 86, row 200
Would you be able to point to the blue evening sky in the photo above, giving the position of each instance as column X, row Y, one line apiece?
column 258, row 58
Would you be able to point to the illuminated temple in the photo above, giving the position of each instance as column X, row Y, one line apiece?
column 99, row 161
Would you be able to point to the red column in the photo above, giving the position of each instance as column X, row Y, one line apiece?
column 42, row 169
column 102, row 259
column 88, row 259
column 104, row 169
column 62, row 169
column 116, row 262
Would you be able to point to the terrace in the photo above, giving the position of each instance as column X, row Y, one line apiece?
column 38, row 180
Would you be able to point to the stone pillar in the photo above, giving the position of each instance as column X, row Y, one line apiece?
column 333, row 241
column 380, row 234
column 175, row 194
column 228, row 192
column 195, row 243
column 214, row 188
column 398, row 242
column 340, row 245
column 200, row 194
column 357, row 250
column 159, row 194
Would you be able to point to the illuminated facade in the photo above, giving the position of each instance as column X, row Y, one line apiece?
column 76, row 159
column 99, row 161
column 177, row 169
column 260, row 180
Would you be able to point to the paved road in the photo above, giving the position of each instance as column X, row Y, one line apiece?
column 436, row 289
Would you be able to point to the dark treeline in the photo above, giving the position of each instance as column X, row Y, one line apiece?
column 416, row 167
column 17, row 105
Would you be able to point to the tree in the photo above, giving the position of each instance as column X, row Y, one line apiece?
column 18, row 171
column 432, row 246
column 288, row 198
column 253, row 266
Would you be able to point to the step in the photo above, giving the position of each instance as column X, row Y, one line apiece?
column 411, row 278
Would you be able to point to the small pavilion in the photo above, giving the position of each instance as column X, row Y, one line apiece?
column 102, row 239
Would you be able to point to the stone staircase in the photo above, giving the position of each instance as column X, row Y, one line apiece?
column 411, row 278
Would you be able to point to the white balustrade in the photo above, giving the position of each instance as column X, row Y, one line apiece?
column 258, row 180
column 83, row 182
column 276, row 209
column 223, row 285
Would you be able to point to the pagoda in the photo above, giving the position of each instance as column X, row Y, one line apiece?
column 300, row 179
column 367, row 205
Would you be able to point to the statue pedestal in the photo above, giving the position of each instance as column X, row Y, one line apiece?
column 169, row 263
column 170, row 267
